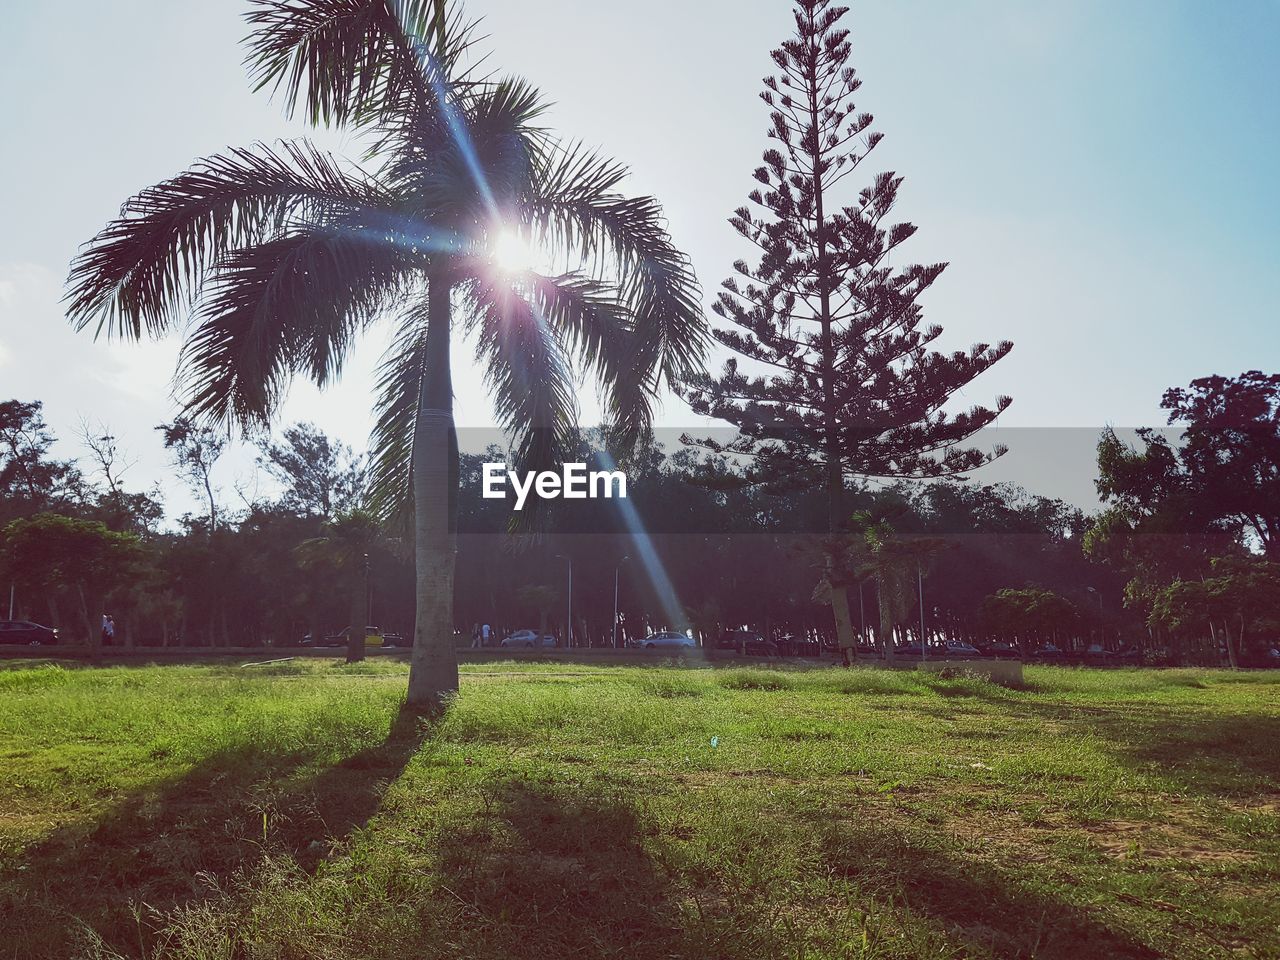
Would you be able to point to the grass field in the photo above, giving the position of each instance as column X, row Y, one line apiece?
column 291, row 811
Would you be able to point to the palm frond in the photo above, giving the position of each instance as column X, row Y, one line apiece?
column 499, row 119
column 527, row 374
column 291, row 304
column 352, row 61
column 575, row 205
column 574, row 172
column 144, row 269
column 594, row 324
column 509, row 105
column 389, row 478
column 480, row 162
column 415, row 119
column 584, row 312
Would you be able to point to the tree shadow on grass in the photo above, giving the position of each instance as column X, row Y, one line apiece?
column 1210, row 755
column 168, row 845
column 556, row 873
column 1224, row 756
column 978, row 908
column 544, row 873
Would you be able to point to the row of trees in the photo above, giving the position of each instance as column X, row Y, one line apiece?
column 75, row 543
column 992, row 562
column 272, row 570
column 1193, row 521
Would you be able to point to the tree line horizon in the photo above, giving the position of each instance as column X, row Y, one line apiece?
column 1148, row 571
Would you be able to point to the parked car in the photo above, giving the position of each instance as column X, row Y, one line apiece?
column 802, row 645
column 396, row 640
column 912, row 650
column 668, row 640
column 26, row 632
column 999, row 650
column 329, row 640
column 748, row 643
column 372, row 638
column 1097, row 653
column 1269, row 659
column 528, row 639
column 957, row 649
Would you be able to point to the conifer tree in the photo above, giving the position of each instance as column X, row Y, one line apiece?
column 850, row 386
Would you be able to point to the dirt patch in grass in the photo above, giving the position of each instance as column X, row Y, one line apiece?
column 1175, row 838
column 1129, row 840
column 1266, row 803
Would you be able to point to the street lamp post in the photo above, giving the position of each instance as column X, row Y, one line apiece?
column 615, row 599
column 924, row 642
column 1097, row 594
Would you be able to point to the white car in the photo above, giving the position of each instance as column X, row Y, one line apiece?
column 528, row 638
column 668, row 640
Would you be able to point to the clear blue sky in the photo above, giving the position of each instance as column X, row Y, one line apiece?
column 1102, row 176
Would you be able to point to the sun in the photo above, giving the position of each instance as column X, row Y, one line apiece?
column 511, row 252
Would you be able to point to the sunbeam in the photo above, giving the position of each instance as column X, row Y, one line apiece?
column 645, row 551
column 511, row 253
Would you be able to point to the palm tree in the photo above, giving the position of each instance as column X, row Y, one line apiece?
column 281, row 256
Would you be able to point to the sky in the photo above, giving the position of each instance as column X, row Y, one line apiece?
column 1100, row 176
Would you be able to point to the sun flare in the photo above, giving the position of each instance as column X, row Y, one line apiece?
column 511, row 252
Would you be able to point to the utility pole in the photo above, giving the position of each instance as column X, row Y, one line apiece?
column 568, row 625
column 924, row 642
column 615, row 599
column 1102, row 630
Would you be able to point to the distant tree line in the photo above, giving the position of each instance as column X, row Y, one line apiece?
column 1194, row 525
column 75, row 544
column 1178, row 561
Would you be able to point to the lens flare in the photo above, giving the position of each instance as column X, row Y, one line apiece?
column 511, row 253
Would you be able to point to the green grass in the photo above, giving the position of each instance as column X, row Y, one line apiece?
column 292, row 811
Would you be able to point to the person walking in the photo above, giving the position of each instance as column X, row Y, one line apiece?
column 485, row 634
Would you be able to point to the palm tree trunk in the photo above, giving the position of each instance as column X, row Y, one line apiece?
column 433, row 671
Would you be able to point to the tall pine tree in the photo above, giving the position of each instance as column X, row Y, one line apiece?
column 852, row 387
